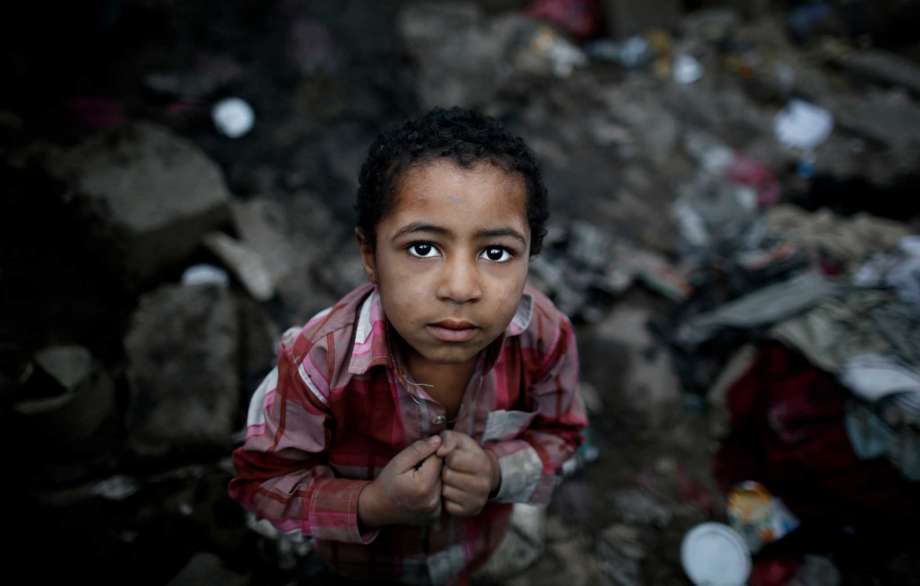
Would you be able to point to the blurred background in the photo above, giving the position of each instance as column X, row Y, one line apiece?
column 735, row 233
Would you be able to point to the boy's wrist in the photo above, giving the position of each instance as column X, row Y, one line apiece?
column 496, row 474
column 367, row 507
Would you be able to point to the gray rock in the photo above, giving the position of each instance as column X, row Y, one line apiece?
column 183, row 368
column 153, row 192
column 296, row 241
column 73, row 395
column 247, row 264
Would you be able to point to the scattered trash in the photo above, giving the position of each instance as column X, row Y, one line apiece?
column 233, row 117
column 803, row 125
column 116, row 488
column 758, row 516
column 202, row 274
column 548, row 47
column 887, row 429
column 714, row 554
column 631, row 53
column 587, row 452
column 687, row 69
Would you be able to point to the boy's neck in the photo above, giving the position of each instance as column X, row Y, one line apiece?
column 444, row 382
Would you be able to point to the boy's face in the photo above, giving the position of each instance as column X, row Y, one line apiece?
column 451, row 258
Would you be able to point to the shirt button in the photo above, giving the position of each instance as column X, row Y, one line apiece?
column 439, row 420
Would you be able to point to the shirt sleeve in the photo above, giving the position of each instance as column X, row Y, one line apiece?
column 531, row 464
column 281, row 470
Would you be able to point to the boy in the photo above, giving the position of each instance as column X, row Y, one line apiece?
column 399, row 424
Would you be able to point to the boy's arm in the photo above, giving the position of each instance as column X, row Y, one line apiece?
column 530, row 464
column 282, row 475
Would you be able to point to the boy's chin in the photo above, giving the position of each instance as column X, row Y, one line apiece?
column 454, row 355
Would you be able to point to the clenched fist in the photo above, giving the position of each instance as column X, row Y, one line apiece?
column 408, row 489
column 468, row 476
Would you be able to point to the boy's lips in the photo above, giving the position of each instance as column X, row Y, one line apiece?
column 451, row 330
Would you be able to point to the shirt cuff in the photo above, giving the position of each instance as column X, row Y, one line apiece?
column 334, row 511
column 522, row 479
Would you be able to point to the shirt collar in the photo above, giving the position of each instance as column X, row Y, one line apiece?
column 371, row 347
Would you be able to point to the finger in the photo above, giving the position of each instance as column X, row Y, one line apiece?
column 470, row 461
column 449, row 442
column 461, row 504
column 455, row 509
column 463, row 481
column 410, row 457
column 430, row 470
column 451, row 494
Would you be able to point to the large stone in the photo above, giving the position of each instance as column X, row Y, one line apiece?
column 154, row 193
column 299, row 241
column 183, row 368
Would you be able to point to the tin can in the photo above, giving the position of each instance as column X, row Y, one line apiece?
column 757, row 515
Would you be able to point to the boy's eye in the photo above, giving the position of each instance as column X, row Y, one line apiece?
column 496, row 254
column 423, row 250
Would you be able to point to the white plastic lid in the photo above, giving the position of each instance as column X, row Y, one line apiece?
column 714, row 554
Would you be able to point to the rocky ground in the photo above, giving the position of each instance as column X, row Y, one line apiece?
column 149, row 260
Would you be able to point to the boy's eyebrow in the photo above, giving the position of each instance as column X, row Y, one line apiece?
column 499, row 232
column 433, row 228
column 420, row 227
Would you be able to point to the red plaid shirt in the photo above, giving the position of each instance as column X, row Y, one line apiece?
column 336, row 410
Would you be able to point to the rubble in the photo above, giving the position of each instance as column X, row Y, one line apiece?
column 154, row 192
column 183, row 400
column 247, row 265
column 65, row 397
column 741, row 303
column 456, row 46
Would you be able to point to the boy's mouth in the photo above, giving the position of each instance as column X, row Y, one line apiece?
column 450, row 330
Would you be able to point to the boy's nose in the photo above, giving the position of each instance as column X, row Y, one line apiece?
column 460, row 282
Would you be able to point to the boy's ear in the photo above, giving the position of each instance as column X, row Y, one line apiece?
column 368, row 260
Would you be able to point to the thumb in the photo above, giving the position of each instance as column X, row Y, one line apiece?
column 430, row 471
column 449, row 441
column 410, row 457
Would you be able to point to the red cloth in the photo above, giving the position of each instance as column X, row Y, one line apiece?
column 788, row 433
column 580, row 18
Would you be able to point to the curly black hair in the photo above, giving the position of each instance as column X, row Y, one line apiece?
column 465, row 137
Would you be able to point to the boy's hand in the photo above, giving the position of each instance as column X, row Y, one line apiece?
column 469, row 474
column 408, row 489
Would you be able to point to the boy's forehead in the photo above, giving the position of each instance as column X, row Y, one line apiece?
column 448, row 179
